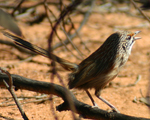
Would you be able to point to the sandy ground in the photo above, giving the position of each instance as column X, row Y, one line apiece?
column 96, row 30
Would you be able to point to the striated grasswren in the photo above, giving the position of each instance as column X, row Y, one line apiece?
column 104, row 64
column 99, row 68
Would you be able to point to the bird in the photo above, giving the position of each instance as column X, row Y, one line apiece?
column 99, row 68
column 102, row 66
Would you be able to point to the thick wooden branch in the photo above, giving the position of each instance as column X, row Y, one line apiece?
column 83, row 109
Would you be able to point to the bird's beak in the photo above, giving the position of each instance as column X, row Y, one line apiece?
column 136, row 38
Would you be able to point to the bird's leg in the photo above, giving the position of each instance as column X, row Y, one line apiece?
column 94, row 103
column 97, row 93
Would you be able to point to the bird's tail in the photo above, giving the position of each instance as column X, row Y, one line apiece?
column 22, row 42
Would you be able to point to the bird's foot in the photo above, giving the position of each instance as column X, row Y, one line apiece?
column 95, row 105
column 114, row 110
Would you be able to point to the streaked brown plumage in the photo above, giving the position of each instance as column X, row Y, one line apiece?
column 100, row 67
column 104, row 64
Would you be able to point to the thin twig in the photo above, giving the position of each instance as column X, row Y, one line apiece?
column 137, row 80
column 86, row 16
column 10, row 89
column 17, row 7
column 65, row 11
column 132, row 1
column 34, row 101
column 6, row 118
column 76, row 32
column 8, row 6
column 141, row 93
column 62, row 42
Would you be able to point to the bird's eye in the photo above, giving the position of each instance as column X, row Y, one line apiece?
column 128, row 37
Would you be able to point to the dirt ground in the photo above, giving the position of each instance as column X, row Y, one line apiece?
column 96, row 30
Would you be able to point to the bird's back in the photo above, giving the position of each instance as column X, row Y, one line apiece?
column 93, row 70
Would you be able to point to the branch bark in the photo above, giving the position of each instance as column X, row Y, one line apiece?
column 83, row 109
